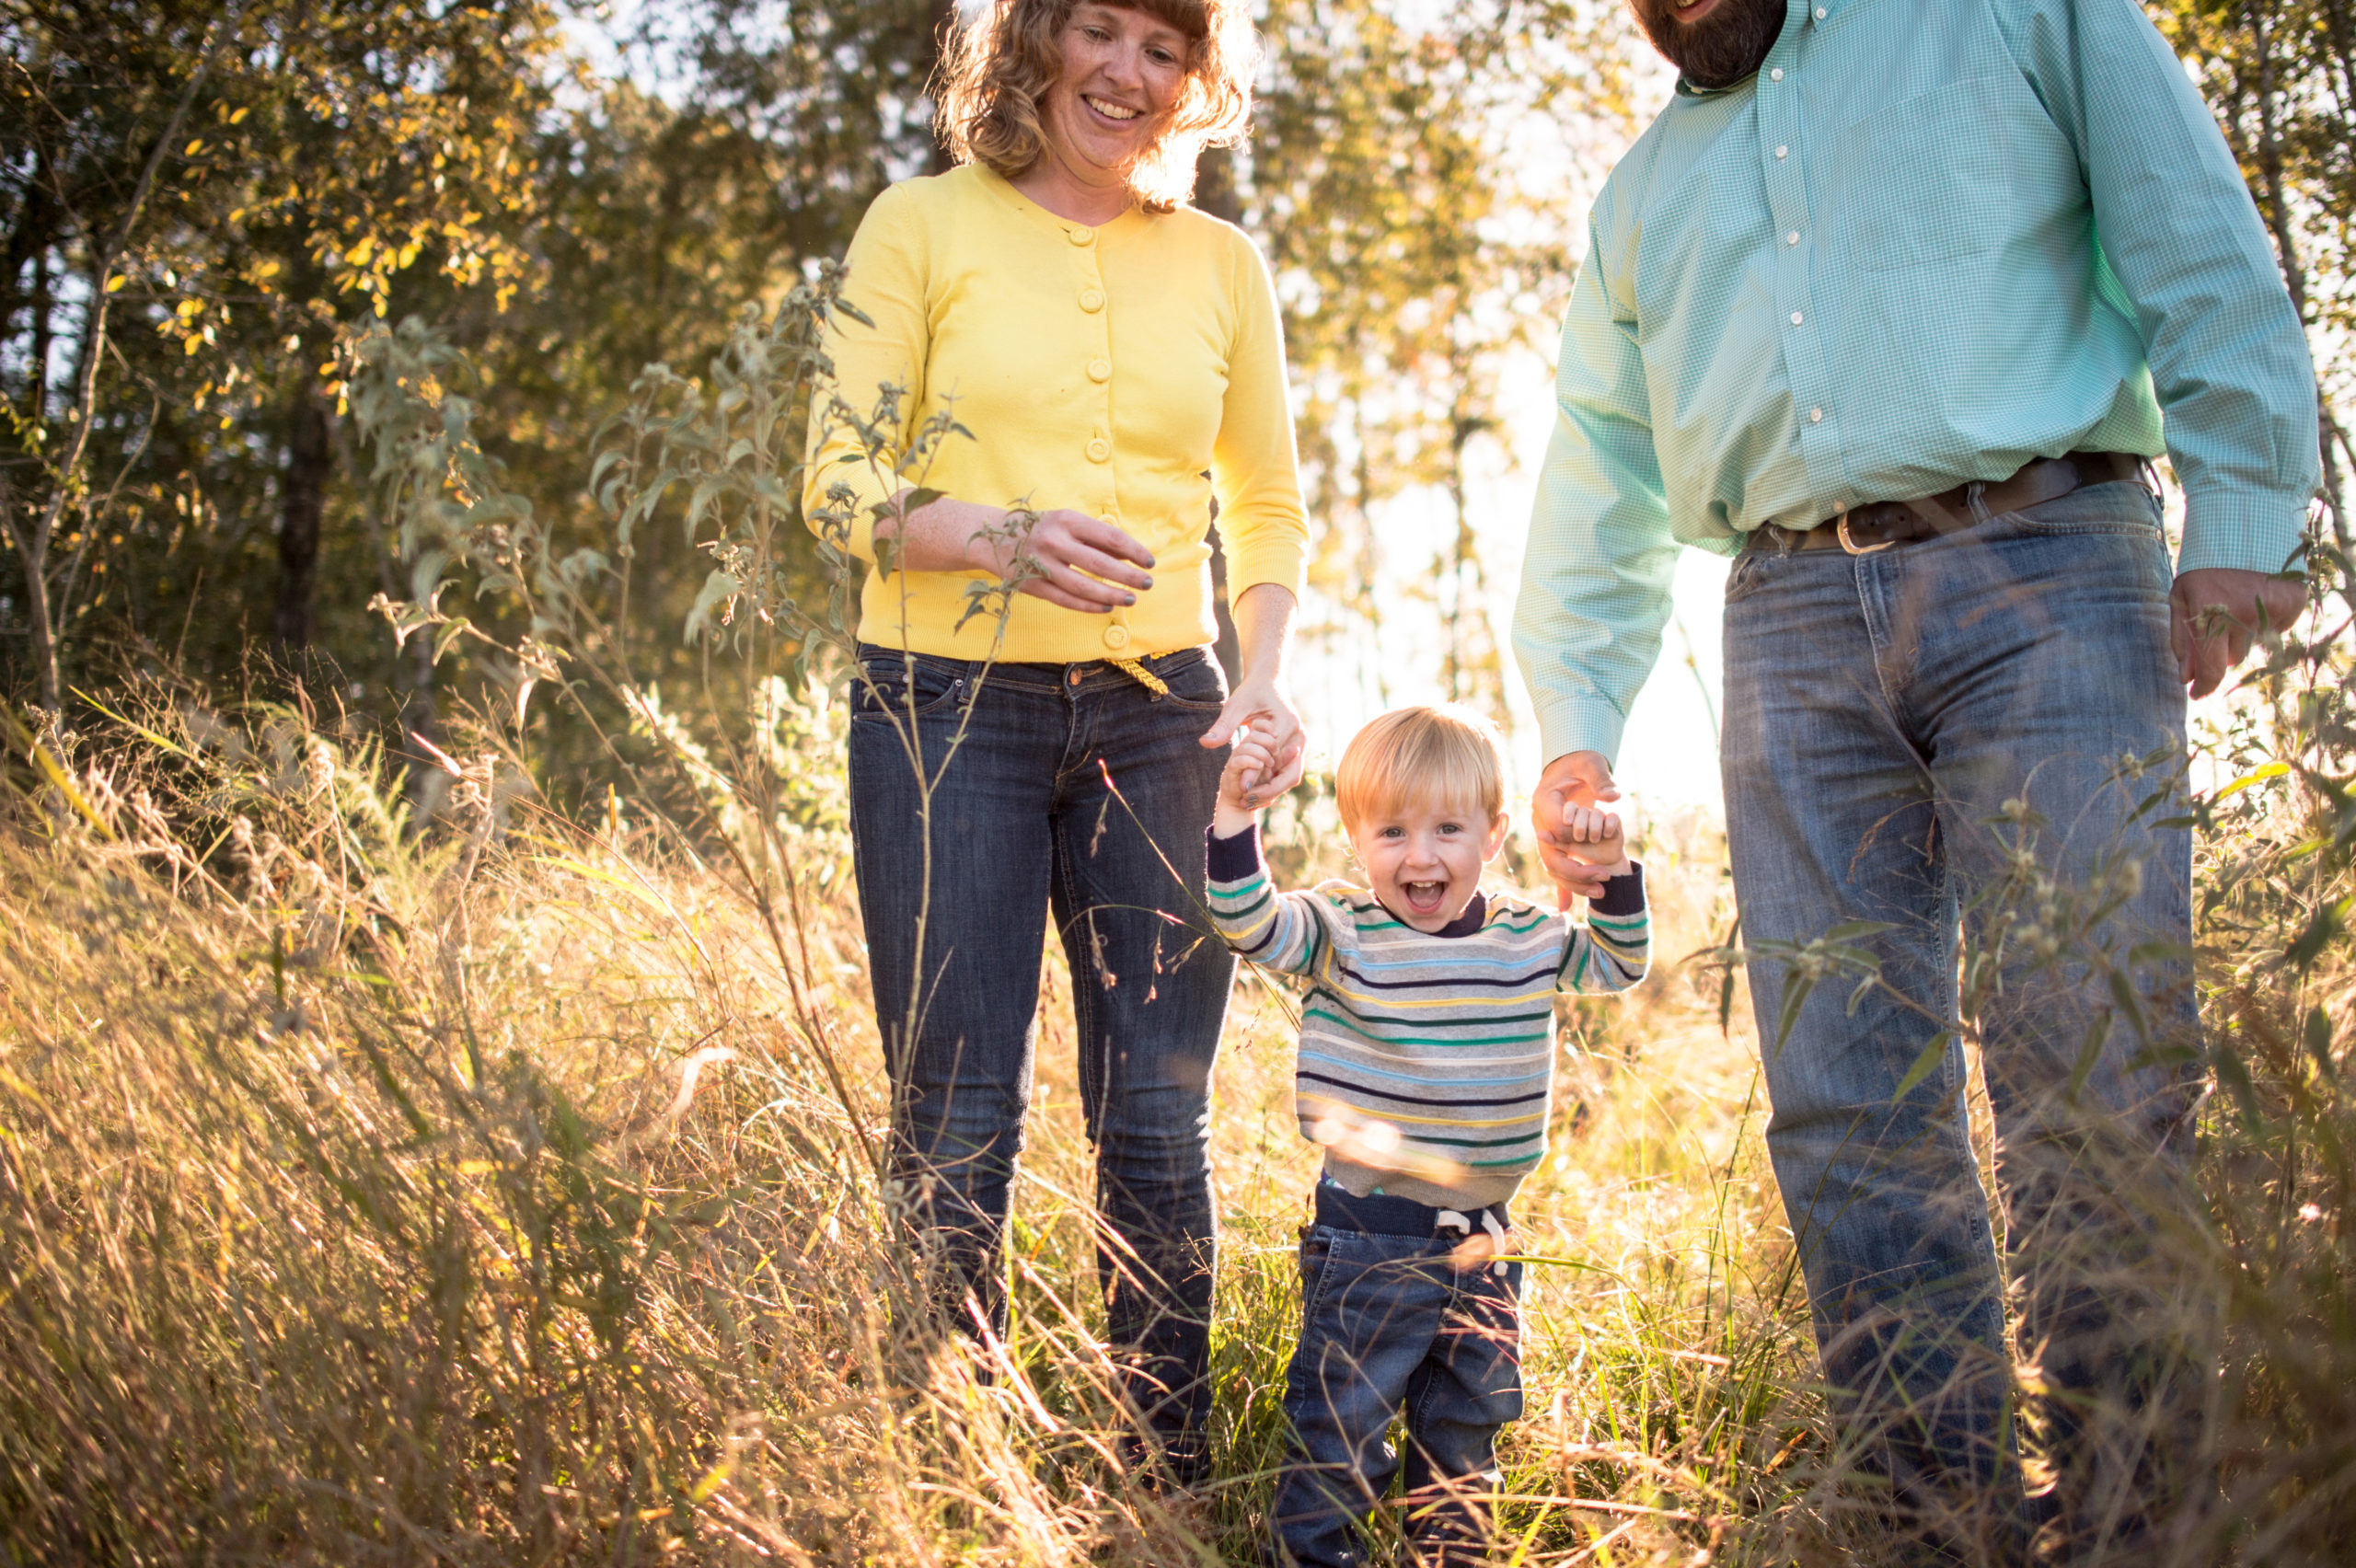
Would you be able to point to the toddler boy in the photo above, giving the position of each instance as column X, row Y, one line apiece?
column 1426, row 1056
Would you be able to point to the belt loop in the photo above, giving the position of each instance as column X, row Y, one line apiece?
column 1974, row 496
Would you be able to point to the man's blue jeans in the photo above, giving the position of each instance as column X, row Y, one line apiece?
column 1022, row 762
column 1975, row 735
column 1389, row 1325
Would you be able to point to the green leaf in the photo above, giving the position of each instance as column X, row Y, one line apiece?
column 453, row 629
column 2318, row 1034
column 1924, row 1064
column 2256, row 776
column 2328, row 922
column 2089, row 1053
column 2123, row 991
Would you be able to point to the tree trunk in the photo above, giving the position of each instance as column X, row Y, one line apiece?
column 945, row 15
column 310, row 457
column 1215, row 193
column 1215, row 190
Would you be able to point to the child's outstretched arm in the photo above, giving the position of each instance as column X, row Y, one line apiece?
column 1278, row 931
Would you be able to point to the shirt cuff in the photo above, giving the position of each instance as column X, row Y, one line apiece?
column 1235, row 858
column 1567, row 724
column 1623, row 895
column 2243, row 533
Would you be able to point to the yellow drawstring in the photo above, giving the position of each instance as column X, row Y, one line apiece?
column 1142, row 676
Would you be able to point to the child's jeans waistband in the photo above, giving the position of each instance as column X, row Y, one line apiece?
column 1378, row 1214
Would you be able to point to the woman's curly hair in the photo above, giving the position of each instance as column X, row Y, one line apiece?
column 998, row 65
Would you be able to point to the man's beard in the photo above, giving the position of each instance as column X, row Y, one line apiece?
column 1723, row 47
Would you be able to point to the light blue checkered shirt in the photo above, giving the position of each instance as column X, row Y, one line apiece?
column 1870, row 273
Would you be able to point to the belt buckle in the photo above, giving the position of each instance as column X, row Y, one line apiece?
column 1840, row 532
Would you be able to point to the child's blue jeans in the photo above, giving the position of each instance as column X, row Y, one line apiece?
column 1391, row 1325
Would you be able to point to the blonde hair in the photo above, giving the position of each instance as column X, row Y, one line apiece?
column 1000, row 63
column 1442, row 755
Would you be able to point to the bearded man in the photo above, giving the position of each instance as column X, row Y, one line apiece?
column 1892, row 304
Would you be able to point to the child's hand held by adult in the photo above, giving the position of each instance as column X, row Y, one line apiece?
column 1247, row 783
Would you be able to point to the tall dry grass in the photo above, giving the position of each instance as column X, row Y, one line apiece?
column 486, row 1194
column 495, row 1193
column 502, row 1188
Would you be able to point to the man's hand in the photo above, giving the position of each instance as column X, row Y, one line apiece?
column 2214, row 612
column 1575, row 778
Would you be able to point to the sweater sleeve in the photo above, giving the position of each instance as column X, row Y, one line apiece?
column 883, row 281
column 1255, row 473
column 1275, row 930
column 1614, row 948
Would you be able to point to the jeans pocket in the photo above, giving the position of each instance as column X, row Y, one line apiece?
column 1317, row 1250
column 2120, row 506
column 1751, row 569
column 892, row 685
column 1195, row 680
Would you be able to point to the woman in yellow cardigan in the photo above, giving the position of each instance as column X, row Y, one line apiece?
column 1118, row 359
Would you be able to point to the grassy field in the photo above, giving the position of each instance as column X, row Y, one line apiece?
column 505, row 1193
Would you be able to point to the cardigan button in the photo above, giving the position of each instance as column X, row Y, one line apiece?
column 1116, row 637
column 1082, row 235
column 1100, row 450
column 1092, row 299
column 1100, row 370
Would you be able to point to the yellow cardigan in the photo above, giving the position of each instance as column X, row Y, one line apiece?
column 1131, row 372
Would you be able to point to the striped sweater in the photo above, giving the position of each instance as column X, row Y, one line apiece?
column 1427, row 1059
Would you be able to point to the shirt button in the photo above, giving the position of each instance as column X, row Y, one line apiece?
column 1100, row 370
column 1082, row 237
column 1776, row 74
column 1116, row 637
column 1796, row 318
column 1816, row 416
column 1092, row 299
column 1820, row 13
column 1793, row 238
column 1781, row 151
column 1099, row 450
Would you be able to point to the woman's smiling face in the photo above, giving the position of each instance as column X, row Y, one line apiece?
column 1123, row 72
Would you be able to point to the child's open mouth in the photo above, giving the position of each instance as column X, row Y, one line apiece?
column 1424, row 897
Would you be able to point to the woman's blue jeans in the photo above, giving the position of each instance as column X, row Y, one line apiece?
column 1975, row 737
column 983, row 795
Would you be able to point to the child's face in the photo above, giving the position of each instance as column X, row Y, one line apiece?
column 1424, row 860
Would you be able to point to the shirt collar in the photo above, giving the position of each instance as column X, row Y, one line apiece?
column 1464, row 924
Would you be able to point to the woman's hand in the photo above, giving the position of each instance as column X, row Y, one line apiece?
column 1080, row 562
column 1083, row 563
column 1264, row 629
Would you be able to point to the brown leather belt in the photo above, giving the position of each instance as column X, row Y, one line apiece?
column 1863, row 530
